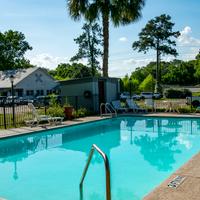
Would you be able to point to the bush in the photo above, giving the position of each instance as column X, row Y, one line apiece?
column 172, row 93
column 55, row 111
column 160, row 109
column 187, row 93
column 81, row 112
column 186, row 109
column 196, row 94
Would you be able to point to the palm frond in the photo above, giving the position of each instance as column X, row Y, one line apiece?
column 76, row 8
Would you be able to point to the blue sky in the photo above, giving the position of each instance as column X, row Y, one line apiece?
column 50, row 31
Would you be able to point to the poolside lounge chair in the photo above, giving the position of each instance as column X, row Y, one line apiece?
column 117, row 106
column 41, row 118
column 134, row 107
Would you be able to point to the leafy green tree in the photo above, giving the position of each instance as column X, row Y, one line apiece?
column 141, row 73
column 134, row 86
column 89, row 45
column 176, row 72
column 120, row 12
column 66, row 71
column 13, row 46
column 197, row 67
column 130, row 83
column 198, row 56
column 157, row 35
column 148, row 84
column 181, row 74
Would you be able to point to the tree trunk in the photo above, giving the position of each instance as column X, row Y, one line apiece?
column 91, row 49
column 105, row 16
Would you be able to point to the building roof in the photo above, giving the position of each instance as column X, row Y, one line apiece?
column 85, row 80
column 19, row 75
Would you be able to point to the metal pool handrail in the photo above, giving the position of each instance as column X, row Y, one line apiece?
column 108, row 109
column 107, row 170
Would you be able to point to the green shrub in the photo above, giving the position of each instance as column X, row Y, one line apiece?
column 160, row 109
column 81, row 112
column 187, row 93
column 55, row 111
column 172, row 93
column 196, row 94
column 41, row 111
column 184, row 110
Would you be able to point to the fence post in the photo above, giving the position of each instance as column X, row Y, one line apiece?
column 76, row 104
column 45, row 110
column 4, row 115
column 45, row 106
column 13, row 111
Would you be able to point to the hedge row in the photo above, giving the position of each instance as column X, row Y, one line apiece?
column 172, row 93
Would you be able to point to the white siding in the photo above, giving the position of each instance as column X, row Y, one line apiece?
column 38, row 80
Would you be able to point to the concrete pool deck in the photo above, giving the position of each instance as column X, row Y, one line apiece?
column 189, row 189
column 4, row 133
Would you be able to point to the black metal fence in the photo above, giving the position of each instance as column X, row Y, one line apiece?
column 90, row 102
column 15, row 113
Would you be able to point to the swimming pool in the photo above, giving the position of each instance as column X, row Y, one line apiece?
column 143, row 151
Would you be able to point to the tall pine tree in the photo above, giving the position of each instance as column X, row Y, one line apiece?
column 90, row 43
column 157, row 35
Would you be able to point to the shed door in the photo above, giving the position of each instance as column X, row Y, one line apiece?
column 102, row 97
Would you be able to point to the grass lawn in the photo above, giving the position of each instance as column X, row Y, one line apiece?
column 19, row 118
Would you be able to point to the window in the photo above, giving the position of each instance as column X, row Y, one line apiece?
column 29, row 92
column 49, row 92
column 39, row 92
column 20, row 93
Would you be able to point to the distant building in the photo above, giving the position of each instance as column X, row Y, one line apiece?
column 28, row 82
column 80, row 93
column 89, row 92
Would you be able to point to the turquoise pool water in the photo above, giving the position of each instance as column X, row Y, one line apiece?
column 142, row 153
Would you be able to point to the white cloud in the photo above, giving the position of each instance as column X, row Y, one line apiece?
column 182, row 139
column 47, row 60
column 189, row 54
column 119, row 68
column 138, row 62
column 123, row 39
column 122, row 67
column 186, row 39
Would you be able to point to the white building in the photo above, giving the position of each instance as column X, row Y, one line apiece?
column 29, row 82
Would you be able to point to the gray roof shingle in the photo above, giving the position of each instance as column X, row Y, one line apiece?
column 19, row 75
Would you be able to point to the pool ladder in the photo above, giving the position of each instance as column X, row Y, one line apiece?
column 109, row 110
column 107, row 170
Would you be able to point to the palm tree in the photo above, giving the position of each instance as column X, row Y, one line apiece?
column 121, row 12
